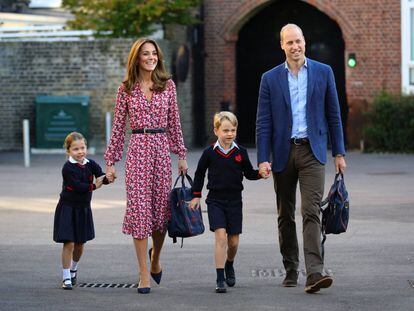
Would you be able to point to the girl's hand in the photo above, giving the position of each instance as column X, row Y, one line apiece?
column 110, row 173
column 99, row 181
column 182, row 167
column 195, row 203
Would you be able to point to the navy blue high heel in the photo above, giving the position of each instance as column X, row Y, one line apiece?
column 144, row 290
column 155, row 276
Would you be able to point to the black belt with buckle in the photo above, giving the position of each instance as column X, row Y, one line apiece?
column 299, row 141
column 148, row 131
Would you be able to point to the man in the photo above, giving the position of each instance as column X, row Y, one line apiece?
column 298, row 106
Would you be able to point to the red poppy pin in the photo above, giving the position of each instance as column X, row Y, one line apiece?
column 238, row 158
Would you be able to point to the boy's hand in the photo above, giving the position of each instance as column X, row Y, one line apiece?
column 195, row 203
column 265, row 169
column 99, row 181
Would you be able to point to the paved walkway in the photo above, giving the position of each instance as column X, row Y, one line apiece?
column 372, row 264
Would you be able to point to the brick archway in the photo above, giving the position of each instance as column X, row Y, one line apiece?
column 249, row 8
column 380, row 37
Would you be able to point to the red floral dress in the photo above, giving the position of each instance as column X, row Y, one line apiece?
column 148, row 162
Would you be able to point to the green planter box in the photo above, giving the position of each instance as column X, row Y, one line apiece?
column 57, row 116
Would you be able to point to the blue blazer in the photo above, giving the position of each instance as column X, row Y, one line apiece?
column 274, row 115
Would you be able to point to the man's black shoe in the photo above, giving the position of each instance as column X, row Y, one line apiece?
column 291, row 279
column 316, row 281
column 220, row 287
column 230, row 276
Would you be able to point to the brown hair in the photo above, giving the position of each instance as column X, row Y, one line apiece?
column 74, row 136
column 224, row 116
column 159, row 76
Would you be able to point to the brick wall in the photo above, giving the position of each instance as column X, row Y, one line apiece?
column 370, row 28
column 94, row 68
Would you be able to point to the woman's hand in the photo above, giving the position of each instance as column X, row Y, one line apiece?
column 110, row 173
column 182, row 167
column 195, row 203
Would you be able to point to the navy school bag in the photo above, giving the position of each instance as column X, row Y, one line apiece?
column 335, row 209
column 184, row 222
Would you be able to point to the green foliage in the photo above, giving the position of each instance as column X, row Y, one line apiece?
column 391, row 124
column 128, row 18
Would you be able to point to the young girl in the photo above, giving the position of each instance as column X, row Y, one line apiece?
column 73, row 224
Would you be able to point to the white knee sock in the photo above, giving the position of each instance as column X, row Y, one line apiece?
column 74, row 265
column 66, row 273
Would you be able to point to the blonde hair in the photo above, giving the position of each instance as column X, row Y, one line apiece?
column 74, row 136
column 224, row 116
column 159, row 76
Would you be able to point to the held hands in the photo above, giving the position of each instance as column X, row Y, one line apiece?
column 195, row 203
column 340, row 164
column 110, row 173
column 265, row 169
column 182, row 167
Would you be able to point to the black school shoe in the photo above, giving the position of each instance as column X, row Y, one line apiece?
column 230, row 275
column 73, row 279
column 67, row 284
column 316, row 281
column 220, row 287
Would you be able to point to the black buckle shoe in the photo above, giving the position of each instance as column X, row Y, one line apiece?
column 73, row 279
column 291, row 279
column 67, row 284
column 316, row 281
column 230, row 275
column 220, row 287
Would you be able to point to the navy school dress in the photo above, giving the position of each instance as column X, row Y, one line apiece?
column 73, row 215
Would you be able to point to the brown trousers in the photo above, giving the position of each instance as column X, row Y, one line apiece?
column 305, row 168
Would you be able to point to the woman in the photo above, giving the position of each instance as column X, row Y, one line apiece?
column 148, row 98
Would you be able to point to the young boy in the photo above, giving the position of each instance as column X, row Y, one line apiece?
column 227, row 163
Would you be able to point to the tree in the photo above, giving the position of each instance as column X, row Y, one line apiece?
column 128, row 18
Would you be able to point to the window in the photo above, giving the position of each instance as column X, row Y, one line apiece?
column 407, row 46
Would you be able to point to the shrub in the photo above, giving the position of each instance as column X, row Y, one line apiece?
column 390, row 125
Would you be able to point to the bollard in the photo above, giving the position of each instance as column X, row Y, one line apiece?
column 108, row 127
column 26, row 143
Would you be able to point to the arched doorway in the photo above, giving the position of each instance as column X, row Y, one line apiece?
column 258, row 50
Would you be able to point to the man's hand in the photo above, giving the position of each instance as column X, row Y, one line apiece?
column 265, row 169
column 340, row 164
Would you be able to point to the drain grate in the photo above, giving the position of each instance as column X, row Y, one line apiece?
column 106, row 285
column 279, row 273
column 411, row 282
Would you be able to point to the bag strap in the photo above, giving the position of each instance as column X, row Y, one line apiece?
column 182, row 175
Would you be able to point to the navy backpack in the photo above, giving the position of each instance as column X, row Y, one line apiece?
column 184, row 222
column 335, row 209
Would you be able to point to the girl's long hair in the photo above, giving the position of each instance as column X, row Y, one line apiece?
column 159, row 76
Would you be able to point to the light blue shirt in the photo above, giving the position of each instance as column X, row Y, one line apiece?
column 217, row 145
column 298, row 86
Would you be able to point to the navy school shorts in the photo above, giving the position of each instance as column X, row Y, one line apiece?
column 225, row 214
